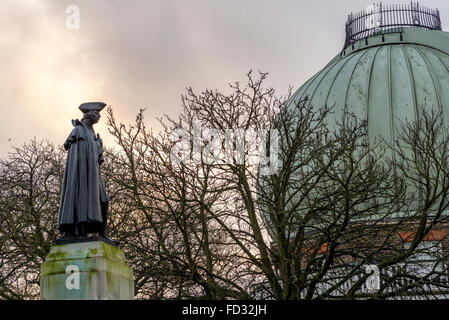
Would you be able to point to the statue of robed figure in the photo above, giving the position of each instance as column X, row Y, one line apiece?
column 84, row 202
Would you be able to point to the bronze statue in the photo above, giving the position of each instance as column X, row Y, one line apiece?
column 84, row 203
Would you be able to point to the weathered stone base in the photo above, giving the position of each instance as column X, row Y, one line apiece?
column 91, row 270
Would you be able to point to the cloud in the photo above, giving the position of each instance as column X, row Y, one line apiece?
column 138, row 53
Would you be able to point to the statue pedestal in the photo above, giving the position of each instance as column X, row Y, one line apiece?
column 90, row 270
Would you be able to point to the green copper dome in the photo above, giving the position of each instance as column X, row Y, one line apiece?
column 395, row 62
column 385, row 79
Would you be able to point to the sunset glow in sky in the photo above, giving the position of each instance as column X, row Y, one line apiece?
column 138, row 53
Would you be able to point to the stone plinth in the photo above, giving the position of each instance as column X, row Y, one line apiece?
column 86, row 271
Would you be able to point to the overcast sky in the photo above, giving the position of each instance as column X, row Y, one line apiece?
column 143, row 53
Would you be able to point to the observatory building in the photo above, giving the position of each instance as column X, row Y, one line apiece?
column 395, row 60
column 394, row 63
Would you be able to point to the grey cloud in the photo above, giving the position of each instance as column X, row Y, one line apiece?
column 144, row 53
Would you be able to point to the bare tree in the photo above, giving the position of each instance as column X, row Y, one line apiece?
column 335, row 204
column 30, row 179
column 198, row 218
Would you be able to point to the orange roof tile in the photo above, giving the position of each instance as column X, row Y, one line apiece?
column 431, row 236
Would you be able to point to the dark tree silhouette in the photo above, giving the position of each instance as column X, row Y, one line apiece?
column 197, row 220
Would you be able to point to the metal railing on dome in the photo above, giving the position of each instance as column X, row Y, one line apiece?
column 379, row 19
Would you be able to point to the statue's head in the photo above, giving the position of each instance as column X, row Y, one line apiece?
column 92, row 116
column 91, row 110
